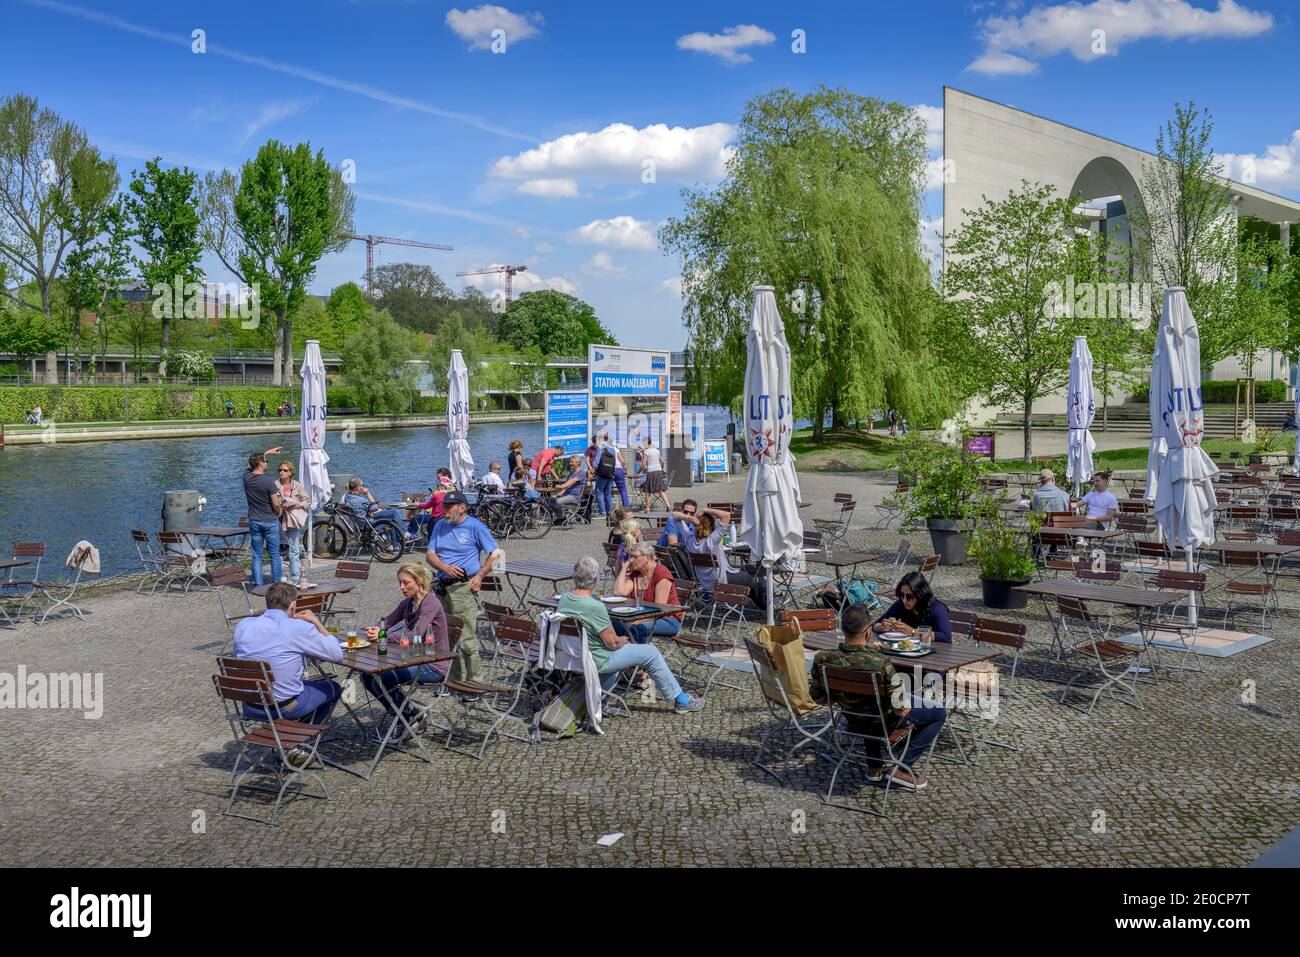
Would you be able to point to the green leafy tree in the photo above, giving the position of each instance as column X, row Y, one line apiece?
column 53, row 184
column 375, row 366
column 194, row 364
column 1257, row 316
column 162, row 206
column 271, row 224
column 413, row 294
column 27, row 333
column 821, row 201
column 1184, row 231
column 556, row 323
column 347, row 308
column 1005, row 271
column 474, row 344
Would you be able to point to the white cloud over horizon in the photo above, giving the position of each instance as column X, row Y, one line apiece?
column 1013, row 44
column 1276, row 168
column 730, row 44
column 273, row 112
column 561, row 188
column 475, row 25
column 620, row 232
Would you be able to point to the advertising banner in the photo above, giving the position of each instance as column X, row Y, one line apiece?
column 614, row 370
column 715, row 458
column 567, row 417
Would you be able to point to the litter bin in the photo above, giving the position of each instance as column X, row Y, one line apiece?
column 180, row 512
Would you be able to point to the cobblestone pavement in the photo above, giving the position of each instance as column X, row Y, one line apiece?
column 1199, row 778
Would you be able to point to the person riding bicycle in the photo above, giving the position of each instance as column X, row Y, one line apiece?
column 362, row 504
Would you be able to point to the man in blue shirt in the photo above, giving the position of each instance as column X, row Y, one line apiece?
column 673, row 532
column 457, row 544
column 284, row 638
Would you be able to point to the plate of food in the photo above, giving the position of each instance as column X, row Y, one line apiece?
column 628, row 610
column 613, row 599
column 356, row 645
column 894, row 636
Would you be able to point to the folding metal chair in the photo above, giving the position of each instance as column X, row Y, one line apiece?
column 804, row 729
column 1254, row 580
column 726, row 611
column 264, row 744
column 60, row 594
column 1111, row 661
column 846, row 745
column 494, row 702
column 977, row 720
column 835, row 529
column 182, row 565
column 1167, row 619
column 929, row 567
column 889, row 511
column 226, row 582
column 153, row 564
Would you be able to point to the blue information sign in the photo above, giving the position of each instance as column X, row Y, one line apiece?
column 568, row 415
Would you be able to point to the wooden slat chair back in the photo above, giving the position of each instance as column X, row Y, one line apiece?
column 813, row 539
column 1006, row 634
column 1085, row 573
column 928, row 565
column 1133, row 507
column 811, row 619
column 840, row 683
column 1058, row 520
column 801, row 729
column 1157, row 551
column 495, row 701
column 354, row 571
column 963, row 622
column 1137, row 492
column 263, row 745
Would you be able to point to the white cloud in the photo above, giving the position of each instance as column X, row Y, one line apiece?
column 521, row 233
column 1278, row 168
column 544, row 248
column 728, row 44
column 621, row 152
column 1060, row 27
column 932, row 240
column 1003, row 64
column 563, row 188
column 672, row 285
column 475, row 25
column 934, row 173
column 272, row 113
column 602, row 264
column 621, row 232
column 933, row 118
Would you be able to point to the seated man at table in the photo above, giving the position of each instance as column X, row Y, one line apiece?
column 643, row 579
column 361, row 503
column 284, row 638
column 614, row 652
column 570, row 492
column 672, row 532
column 491, row 480
column 1049, row 497
column 855, row 653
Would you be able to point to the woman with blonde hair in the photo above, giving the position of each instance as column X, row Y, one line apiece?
column 630, row 529
column 418, row 614
column 293, row 518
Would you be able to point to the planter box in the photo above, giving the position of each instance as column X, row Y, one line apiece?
column 949, row 538
column 1002, row 594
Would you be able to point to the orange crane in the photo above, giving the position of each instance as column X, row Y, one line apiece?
column 508, row 270
column 373, row 241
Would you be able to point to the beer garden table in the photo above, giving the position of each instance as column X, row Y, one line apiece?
column 207, row 532
column 368, row 661
column 533, row 569
column 1142, row 602
column 645, row 610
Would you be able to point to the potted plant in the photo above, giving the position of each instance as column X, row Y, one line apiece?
column 1006, row 558
column 1268, row 444
column 943, row 494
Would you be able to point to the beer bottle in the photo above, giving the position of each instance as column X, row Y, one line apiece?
column 381, row 645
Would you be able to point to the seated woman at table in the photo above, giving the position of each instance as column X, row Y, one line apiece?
column 521, row 483
column 1101, row 502
column 702, row 534
column 629, row 530
column 643, row 579
column 916, row 606
column 418, row 613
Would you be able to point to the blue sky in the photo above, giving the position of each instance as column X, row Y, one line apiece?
column 535, row 155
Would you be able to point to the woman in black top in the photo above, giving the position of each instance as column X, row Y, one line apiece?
column 915, row 606
column 515, row 457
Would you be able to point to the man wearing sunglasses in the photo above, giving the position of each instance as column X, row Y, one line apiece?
column 672, row 532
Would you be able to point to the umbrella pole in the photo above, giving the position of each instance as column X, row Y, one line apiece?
column 1191, row 595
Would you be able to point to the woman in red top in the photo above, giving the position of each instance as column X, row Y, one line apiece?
column 426, row 513
column 642, row 577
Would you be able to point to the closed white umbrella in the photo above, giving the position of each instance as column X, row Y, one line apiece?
column 1180, row 476
column 1078, row 463
column 1295, row 463
column 462, row 462
column 311, row 426
column 770, row 523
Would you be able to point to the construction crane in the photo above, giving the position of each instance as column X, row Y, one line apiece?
column 373, row 241
column 508, row 270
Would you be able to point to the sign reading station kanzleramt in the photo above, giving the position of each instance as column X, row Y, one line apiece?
column 615, row 370
column 568, row 415
column 715, row 458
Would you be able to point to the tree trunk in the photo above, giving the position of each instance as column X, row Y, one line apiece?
column 1029, row 432
column 818, row 419
column 166, row 340
column 279, row 347
column 1105, row 394
column 288, row 353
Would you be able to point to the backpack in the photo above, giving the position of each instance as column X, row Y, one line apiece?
column 606, row 463
column 678, row 562
column 858, row 591
column 567, row 711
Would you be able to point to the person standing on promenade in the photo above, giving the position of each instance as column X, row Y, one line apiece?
column 264, row 509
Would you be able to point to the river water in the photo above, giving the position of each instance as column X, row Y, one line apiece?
column 99, row 491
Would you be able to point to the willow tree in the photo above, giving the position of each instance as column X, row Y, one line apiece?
column 821, row 200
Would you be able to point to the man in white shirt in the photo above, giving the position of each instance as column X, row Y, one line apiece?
column 492, row 478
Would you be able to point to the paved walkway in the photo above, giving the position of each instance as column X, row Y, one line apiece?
column 1199, row 778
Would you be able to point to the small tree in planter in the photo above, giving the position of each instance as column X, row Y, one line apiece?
column 1005, row 555
column 944, row 493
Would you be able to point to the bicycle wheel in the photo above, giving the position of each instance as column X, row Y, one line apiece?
column 533, row 520
column 383, row 541
column 500, row 520
column 328, row 540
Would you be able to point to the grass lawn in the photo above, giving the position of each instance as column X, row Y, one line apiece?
column 844, row 450
column 1127, row 459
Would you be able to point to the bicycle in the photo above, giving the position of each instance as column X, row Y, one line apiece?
column 378, row 536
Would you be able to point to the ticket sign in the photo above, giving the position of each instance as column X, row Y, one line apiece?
column 675, row 412
column 980, row 444
column 614, row 370
column 715, row 458
column 568, row 415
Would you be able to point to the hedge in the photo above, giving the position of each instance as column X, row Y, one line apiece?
column 151, row 402
column 1225, row 393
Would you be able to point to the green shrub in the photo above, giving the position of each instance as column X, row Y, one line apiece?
column 1225, row 393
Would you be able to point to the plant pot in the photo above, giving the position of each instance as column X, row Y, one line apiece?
column 1003, row 594
column 949, row 538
